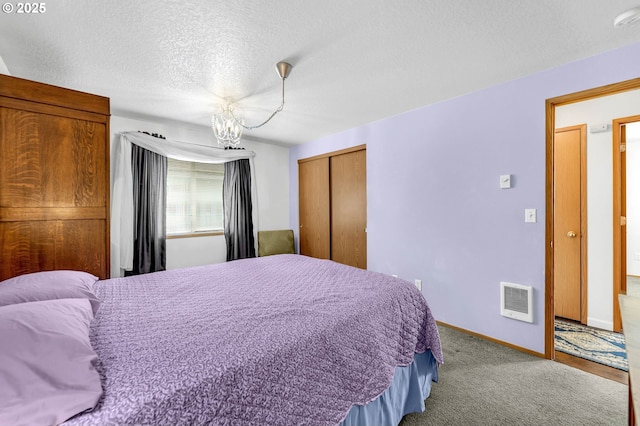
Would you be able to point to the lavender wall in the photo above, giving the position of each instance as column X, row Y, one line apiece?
column 434, row 206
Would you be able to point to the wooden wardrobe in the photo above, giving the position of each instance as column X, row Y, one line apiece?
column 333, row 206
column 54, row 179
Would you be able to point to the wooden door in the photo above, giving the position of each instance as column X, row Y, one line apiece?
column 349, row 209
column 569, row 210
column 620, row 213
column 623, row 212
column 313, row 196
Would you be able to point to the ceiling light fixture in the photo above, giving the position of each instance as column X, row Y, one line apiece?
column 228, row 128
column 626, row 18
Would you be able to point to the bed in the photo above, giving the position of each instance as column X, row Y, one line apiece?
column 282, row 340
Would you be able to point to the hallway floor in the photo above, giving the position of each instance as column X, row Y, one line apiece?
column 633, row 286
column 633, row 289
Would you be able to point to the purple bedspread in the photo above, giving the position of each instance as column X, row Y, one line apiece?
column 286, row 340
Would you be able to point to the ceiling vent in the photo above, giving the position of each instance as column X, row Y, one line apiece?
column 516, row 301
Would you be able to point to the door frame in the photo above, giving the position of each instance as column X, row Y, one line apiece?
column 550, row 115
column 619, row 210
column 583, row 218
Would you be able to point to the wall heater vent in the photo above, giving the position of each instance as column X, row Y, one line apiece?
column 516, row 301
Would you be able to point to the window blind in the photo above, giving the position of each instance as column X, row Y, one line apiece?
column 194, row 197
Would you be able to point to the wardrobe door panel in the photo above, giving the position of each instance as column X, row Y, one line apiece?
column 349, row 209
column 50, row 161
column 314, row 208
column 54, row 179
column 35, row 246
column 25, row 247
column 79, row 244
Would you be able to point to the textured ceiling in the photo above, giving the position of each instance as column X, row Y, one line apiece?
column 354, row 62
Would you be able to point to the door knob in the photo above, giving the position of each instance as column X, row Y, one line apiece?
column 571, row 234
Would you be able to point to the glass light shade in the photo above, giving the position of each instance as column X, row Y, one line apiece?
column 226, row 129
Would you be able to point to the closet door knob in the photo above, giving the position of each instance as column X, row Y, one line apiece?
column 571, row 234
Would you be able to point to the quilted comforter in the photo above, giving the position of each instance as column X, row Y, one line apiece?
column 286, row 340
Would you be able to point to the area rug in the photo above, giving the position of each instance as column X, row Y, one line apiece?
column 601, row 346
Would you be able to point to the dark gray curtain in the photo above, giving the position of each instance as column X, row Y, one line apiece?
column 149, row 207
column 236, row 199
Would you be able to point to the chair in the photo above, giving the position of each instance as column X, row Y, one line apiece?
column 275, row 242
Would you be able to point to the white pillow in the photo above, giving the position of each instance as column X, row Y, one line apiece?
column 48, row 285
column 47, row 364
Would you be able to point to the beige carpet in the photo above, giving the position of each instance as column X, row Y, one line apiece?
column 484, row 383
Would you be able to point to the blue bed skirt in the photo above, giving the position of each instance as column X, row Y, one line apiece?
column 411, row 385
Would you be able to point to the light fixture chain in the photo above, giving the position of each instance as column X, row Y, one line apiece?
column 264, row 122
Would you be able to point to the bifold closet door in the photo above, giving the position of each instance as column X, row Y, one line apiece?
column 333, row 206
column 348, row 177
column 314, row 210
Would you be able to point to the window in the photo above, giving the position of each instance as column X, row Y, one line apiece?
column 194, row 197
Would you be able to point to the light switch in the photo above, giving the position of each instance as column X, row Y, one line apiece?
column 530, row 215
column 505, row 181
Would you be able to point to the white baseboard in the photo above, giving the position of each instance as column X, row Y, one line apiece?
column 597, row 323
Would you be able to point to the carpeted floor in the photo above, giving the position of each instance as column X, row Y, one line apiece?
column 602, row 346
column 484, row 383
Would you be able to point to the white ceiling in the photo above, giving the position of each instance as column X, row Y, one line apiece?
column 354, row 61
